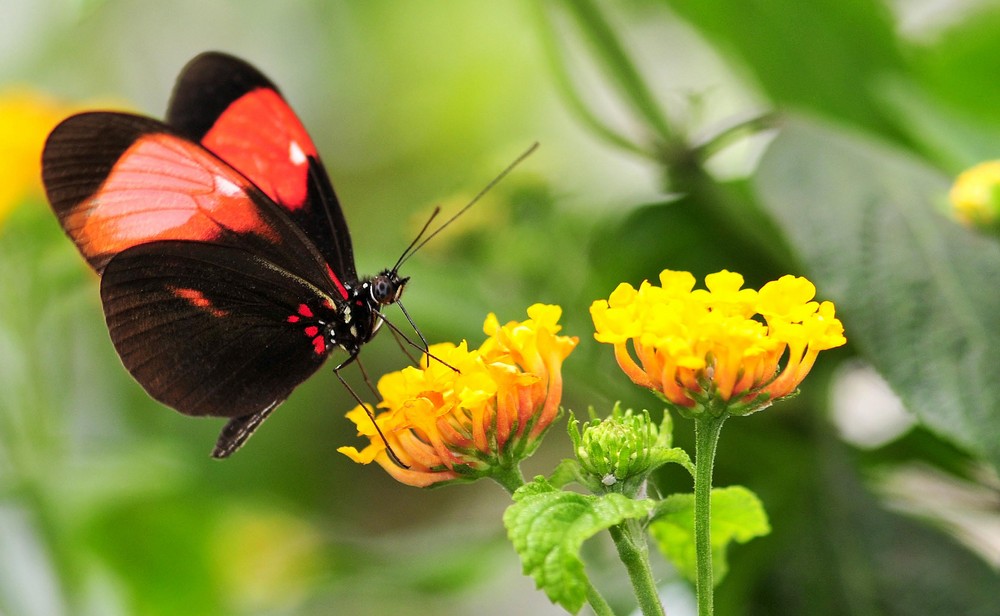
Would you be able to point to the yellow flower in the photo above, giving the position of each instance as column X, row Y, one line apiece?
column 723, row 344
column 485, row 410
column 26, row 118
column 975, row 195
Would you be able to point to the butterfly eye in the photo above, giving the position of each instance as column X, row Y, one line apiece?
column 381, row 289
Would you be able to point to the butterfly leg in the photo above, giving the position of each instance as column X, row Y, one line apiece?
column 237, row 430
column 357, row 398
column 368, row 381
column 399, row 335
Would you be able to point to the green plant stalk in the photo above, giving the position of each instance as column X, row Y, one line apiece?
column 707, row 428
column 619, row 66
column 509, row 477
column 564, row 83
column 598, row 602
column 630, row 541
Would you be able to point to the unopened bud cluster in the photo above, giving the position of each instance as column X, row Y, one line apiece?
column 619, row 451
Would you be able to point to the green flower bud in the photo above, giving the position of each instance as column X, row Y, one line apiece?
column 618, row 452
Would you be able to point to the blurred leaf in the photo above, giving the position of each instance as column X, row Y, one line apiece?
column 917, row 293
column 951, row 138
column 835, row 550
column 680, row 235
column 548, row 527
column 159, row 550
column 264, row 558
column 959, row 67
column 737, row 515
column 819, row 55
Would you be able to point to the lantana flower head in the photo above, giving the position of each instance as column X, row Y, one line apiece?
column 26, row 117
column 724, row 347
column 474, row 412
column 975, row 195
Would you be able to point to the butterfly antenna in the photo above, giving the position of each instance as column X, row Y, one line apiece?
column 410, row 249
column 417, row 243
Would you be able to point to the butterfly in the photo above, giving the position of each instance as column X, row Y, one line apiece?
column 227, row 271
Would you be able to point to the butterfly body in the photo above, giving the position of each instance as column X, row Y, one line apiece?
column 227, row 270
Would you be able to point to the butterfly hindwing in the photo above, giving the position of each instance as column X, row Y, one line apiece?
column 213, row 330
column 233, row 110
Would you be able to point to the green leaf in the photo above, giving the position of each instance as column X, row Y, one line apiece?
column 737, row 515
column 798, row 51
column 547, row 528
column 917, row 293
column 952, row 138
column 959, row 65
column 567, row 471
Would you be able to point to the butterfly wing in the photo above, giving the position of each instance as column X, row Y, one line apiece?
column 234, row 111
column 116, row 181
column 213, row 330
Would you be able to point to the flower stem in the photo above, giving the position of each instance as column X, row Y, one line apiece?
column 509, row 477
column 631, row 544
column 598, row 602
column 707, row 429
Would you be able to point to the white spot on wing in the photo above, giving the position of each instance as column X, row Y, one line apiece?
column 227, row 186
column 295, row 154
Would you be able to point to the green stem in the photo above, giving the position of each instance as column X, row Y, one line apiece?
column 631, row 544
column 598, row 602
column 509, row 477
column 741, row 129
column 570, row 93
column 706, row 431
column 619, row 66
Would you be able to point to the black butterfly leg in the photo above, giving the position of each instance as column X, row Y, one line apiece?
column 357, row 398
column 400, row 335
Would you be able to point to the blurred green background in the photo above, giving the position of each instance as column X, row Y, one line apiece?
column 109, row 503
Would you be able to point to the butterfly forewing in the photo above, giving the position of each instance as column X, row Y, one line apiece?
column 236, row 112
column 117, row 180
column 213, row 330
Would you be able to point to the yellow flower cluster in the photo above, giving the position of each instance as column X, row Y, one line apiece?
column 477, row 410
column 975, row 195
column 26, row 118
column 696, row 346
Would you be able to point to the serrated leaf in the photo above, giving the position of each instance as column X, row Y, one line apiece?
column 548, row 527
column 737, row 515
column 917, row 293
column 674, row 455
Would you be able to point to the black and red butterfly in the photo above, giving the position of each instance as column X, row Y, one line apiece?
column 227, row 274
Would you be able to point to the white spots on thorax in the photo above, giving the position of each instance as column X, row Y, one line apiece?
column 295, row 153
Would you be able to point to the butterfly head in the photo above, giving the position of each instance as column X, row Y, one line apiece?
column 387, row 287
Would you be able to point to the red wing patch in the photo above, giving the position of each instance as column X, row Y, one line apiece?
column 163, row 188
column 197, row 299
column 263, row 139
column 237, row 113
column 117, row 181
